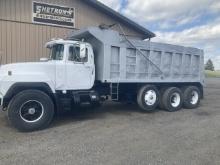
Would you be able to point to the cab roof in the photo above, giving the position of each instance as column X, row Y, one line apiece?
column 59, row 41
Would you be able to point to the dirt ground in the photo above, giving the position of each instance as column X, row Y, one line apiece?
column 118, row 134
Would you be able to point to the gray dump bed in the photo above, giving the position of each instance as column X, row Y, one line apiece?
column 118, row 61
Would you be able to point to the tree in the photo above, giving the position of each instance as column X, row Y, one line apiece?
column 209, row 65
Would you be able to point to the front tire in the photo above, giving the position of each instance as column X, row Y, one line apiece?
column 148, row 98
column 30, row 110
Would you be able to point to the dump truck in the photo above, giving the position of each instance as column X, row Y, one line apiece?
column 97, row 64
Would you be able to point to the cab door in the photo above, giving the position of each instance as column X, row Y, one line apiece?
column 79, row 71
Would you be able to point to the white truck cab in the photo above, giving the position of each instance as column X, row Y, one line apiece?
column 70, row 67
column 74, row 62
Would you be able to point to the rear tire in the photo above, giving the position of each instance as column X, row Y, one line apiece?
column 30, row 110
column 148, row 98
column 191, row 97
column 162, row 90
column 172, row 99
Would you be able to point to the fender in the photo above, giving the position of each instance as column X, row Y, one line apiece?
column 20, row 86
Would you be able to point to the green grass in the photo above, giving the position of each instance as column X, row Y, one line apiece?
column 212, row 73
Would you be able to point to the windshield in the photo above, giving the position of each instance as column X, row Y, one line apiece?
column 56, row 52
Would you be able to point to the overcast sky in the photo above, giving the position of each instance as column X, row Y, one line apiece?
column 184, row 22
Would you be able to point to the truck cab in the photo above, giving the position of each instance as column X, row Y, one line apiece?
column 70, row 66
column 33, row 91
column 74, row 64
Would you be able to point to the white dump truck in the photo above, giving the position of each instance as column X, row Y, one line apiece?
column 94, row 65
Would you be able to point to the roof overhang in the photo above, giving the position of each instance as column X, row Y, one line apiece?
column 121, row 18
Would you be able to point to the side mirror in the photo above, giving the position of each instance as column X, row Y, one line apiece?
column 82, row 50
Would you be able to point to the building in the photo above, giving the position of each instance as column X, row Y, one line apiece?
column 26, row 25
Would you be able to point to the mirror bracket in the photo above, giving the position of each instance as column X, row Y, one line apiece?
column 82, row 50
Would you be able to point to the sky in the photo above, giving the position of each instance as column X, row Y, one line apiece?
column 184, row 22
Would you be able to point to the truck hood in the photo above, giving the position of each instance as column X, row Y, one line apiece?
column 29, row 72
column 28, row 68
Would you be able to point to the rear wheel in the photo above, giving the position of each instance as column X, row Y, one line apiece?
column 30, row 110
column 191, row 97
column 172, row 99
column 148, row 98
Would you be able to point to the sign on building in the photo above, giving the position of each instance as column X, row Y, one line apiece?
column 51, row 14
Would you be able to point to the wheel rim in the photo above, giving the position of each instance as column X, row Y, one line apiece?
column 175, row 99
column 31, row 111
column 194, row 97
column 150, row 97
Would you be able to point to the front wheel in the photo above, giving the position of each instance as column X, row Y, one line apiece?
column 30, row 110
column 148, row 98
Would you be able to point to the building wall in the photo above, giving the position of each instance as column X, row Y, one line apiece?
column 21, row 40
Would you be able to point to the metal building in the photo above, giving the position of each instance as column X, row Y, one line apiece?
column 25, row 25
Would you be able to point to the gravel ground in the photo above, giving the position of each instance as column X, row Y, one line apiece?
column 117, row 134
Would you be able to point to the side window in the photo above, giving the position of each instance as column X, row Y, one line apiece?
column 74, row 54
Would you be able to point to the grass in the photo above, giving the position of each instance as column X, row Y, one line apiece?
column 212, row 73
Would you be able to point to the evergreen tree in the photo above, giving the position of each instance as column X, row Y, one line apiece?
column 209, row 65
